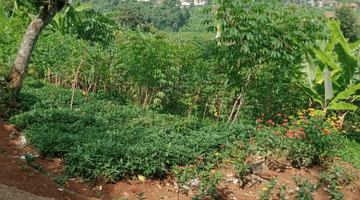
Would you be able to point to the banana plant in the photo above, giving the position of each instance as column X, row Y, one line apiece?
column 3, row 14
column 331, row 73
column 64, row 22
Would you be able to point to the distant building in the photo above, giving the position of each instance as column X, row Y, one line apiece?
column 200, row 3
column 352, row 5
column 330, row 4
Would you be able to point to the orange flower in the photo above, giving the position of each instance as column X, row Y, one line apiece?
column 191, row 166
column 222, row 146
column 179, row 167
column 199, row 161
column 249, row 159
column 279, row 115
column 199, row 157
column 258, row 120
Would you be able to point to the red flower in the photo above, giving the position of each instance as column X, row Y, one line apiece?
column 239, row 150
column 279, row 125
column 259, row 126
column 222, row 146
column 318, row 118
column 179, row 167
column 258, row 120
column 284, row 124
column 337, row 125
column 242, row 145
column 134, row 190
column 277, row 133
column 282, row 136
column 258, row 129
column 301, row 129
column 285, row 120
column 297, row 136
column 267, row 127
column 270, row 121
column 199, row 161
column 311, row 141
column 251, row 138
column 191, row 166
column 343, row 123
column 327, row 132
column 338, row 158
column 316, row 126
column 285, row 129
column 199, row 157
column 249, row 159
column 240, row 142
column 273, row 123
column 304, row 118
column 293, row 123
column 273, row 174
column 304, row 137
column 284, row 180
column 279, row 115
column 262, row 114
column 251, row 142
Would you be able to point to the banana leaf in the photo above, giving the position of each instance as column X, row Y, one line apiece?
column 3, row 15
column 345, row 94
column 342, row 106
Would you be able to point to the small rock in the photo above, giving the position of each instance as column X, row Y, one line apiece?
column 60, row 189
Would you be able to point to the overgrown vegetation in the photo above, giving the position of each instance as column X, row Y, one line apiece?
column 116, row 98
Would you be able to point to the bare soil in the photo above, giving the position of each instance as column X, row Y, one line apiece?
column 22, row 183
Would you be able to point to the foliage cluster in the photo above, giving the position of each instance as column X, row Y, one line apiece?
column 350, row 25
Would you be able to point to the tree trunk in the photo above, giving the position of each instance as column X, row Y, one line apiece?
column 18, row 70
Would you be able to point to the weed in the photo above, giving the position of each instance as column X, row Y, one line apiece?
column 305, row 191
column 268, row 190
column 99, row 194
column 59, row 180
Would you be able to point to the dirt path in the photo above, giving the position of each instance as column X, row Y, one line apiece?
column 10, row 193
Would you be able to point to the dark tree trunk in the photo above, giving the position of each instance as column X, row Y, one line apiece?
column 17, row 73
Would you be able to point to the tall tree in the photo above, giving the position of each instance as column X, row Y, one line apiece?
column 349, row 25
column 48, row 9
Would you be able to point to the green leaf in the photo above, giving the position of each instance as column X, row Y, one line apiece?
column 345, row 94
column 324, row 58
column 312, row 93
column 335, row 29
column 354, row 45
column 342, row 106
column 3, row 15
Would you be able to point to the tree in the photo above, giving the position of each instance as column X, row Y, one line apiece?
column 48, row 10
column 262, row 34
column 349, row 25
